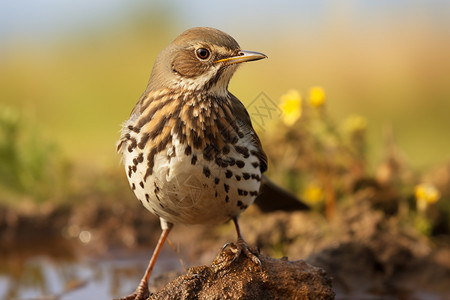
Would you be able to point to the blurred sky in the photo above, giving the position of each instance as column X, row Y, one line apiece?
column 386, row 59
column 34, row 20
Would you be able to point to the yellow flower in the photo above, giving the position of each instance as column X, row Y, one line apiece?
column 317, row 96
column 427, row 193
column 355, row 123
column 313, row 193
column 291, row 105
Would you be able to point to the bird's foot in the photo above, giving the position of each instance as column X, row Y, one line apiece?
column 231, row 252
column 242, row 247
column 141, row 293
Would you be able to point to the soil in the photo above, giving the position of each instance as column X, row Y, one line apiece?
column 241, row 278
column 369, row 254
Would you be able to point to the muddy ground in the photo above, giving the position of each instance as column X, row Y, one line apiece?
column 369, row 255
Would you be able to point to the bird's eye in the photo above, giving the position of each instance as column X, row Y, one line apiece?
column 202, row 53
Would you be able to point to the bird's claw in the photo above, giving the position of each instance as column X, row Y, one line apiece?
column 141, row 293
column 243, row 247
column 227, row 256
column 225, row 246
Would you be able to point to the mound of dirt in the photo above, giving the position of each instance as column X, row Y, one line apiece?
column 243, row 279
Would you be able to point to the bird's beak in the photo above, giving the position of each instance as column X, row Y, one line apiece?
column 242, row 57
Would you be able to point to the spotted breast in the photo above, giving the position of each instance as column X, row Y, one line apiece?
column 192, row 159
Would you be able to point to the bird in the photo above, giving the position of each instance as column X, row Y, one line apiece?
column 190, row 151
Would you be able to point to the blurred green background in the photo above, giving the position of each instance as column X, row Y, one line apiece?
column 71, row 71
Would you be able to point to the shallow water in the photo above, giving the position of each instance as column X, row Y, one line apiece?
column 65, row 278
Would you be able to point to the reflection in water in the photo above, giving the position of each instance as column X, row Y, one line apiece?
column 29, row 272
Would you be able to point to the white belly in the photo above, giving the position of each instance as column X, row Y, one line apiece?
column 181, row 190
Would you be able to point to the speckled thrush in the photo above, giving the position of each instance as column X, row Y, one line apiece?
column 189, row 149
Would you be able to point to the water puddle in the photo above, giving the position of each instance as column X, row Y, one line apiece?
column 28, row 275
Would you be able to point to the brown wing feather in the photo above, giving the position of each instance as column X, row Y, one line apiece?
column 242, row 117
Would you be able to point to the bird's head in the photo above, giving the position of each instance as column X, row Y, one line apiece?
column 200, row 59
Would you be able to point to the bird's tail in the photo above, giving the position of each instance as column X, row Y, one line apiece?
column 273, row 197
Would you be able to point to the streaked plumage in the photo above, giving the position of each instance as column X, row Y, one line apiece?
column 175, row 140
column 189, row 149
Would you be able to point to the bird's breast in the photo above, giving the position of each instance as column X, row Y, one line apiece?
column 187, row 188
column 188, row 160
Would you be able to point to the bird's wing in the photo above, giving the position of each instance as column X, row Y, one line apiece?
column 272, row 197
column 242, row 117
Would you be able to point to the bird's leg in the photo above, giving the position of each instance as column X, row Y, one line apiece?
column 142, row 292
column 243, row 247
